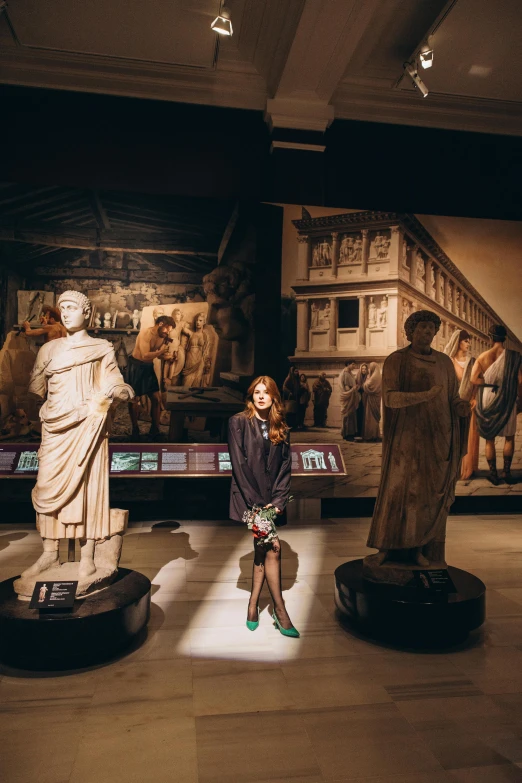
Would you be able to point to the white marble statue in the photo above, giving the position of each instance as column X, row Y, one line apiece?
column 107, row 321
column 97, row 320
column 135, row 318
column 78, row 377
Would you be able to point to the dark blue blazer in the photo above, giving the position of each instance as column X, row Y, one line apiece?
column 254, row 481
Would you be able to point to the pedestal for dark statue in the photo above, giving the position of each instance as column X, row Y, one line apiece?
column 97, row 628
column 409, row 615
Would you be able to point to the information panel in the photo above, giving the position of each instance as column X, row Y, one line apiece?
column 20, row 460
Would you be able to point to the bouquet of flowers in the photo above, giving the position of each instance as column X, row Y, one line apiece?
column 261, row 521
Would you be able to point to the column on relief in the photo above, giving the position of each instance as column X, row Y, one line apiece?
column 437, row 284
column 427, row 278
column 303, row 314
column 453, row 298
column 304, row 256
column 335, row 252
column 461, row 303
column 365, row 250
column 392, row 324
column 446, row 292
column 394, row 252
column 334, row 320
column 413, row 265
column 362, row 321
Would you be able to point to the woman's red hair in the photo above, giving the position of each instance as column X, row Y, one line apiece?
column 278, row 428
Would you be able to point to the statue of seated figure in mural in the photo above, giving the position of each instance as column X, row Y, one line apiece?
column 79, row 378
column 424, row 438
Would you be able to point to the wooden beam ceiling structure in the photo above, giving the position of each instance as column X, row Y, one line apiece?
column 57, row 227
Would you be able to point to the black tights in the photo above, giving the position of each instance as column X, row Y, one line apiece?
column 267, row 564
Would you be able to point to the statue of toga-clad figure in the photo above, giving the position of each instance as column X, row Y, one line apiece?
column 424, row 438
column 79, row 378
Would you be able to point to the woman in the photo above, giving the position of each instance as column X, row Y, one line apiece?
column 197, row 356
column 259, row 450
column 360, row 378
column 458, row 351
column 350, row 399
column 371, row 401
column 304, row 399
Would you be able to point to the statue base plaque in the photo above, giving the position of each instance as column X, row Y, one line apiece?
column 435, row 608
column 97, row 628
column 393, row 572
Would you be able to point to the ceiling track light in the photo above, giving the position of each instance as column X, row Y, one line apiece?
column 222, row 23
column 426, row 57
column 417, row 81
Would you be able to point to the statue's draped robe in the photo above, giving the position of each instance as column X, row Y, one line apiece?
column 71, row 496
column 422, row 449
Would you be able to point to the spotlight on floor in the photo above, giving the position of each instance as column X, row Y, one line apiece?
column 426, row 58
column 222, row 23
column 417, row 81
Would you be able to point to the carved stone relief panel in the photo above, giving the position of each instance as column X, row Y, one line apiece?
column 322, row 251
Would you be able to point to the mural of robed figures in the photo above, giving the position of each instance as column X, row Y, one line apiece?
column 357, row 277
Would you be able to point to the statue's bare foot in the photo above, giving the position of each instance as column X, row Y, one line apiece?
column 87, row 568
column 45, row 561
column 421, row 560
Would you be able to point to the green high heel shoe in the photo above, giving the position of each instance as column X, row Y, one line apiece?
column 253, row 624
column 293, row 632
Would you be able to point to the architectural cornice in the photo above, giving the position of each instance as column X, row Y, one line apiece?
column 131, row 78
column 356, row 101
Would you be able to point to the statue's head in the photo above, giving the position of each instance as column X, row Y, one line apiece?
column 421, row 327
column 75, row 310
column 200, row 320
column 498, row 333
column 230, row 298
column 177, row 315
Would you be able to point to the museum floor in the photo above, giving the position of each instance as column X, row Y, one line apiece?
column 204, row 700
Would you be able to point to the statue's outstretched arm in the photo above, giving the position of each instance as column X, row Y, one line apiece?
column 398, row 399
column 392, row 396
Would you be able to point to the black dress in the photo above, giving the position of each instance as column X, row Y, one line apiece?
column 256, row 479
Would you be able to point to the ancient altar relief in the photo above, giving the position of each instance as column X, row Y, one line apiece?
column 190, row 359
column 322, row 252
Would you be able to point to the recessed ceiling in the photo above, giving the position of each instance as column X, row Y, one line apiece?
column 303, row 62
column 477, row 51
column 162, row 31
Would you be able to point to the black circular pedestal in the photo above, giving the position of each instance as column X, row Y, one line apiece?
column 410, row 616
column 98, row 626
